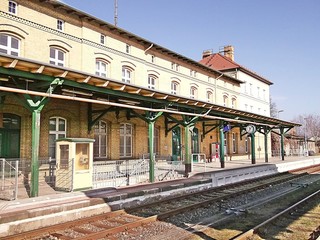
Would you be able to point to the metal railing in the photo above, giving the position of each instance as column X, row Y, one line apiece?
column 134, row 171
column 9, row 179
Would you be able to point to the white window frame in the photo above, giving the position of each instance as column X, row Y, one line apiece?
column 8, row 48
column 225, row 100
column 60, row 25
column 55, row 60
column 174, row 87
column 126, row 74
column 13, row 7
column 152, row 79
column 193, row 92
column 99, row 68
column 56, row 133
column 233, row 103
column 126, row 134
column 209, row 96
column 100, row 135
column 234, row 142
column 246, row 145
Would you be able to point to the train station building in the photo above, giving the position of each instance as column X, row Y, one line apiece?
column 68, row 76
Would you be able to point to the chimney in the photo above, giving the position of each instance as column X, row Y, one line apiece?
column 229, row 52
column 206, row 53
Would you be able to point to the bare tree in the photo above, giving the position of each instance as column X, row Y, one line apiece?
column 310, row 126
column 273, row 109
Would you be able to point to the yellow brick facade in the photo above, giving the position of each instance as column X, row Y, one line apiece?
column 35, row 25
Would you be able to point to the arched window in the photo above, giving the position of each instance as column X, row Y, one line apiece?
column 125, row 140
column 209, row 96
column 101, row 68
column 233, row 103
column 100, row 136
column 57, row 129
column 152, row 79
column 13, row 7
column 57, row 57
column 126, row 74
column 225, row 100
column 193, row 92
column 9, row 45
column 174, row 87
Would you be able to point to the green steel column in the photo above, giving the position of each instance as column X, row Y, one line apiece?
column 151, row 146
column 221, row 145
column 187, row 154
column 265, row 145
column 35, row 153
column 253, row 149
column 282, row 145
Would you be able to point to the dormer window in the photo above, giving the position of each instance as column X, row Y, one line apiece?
column 60, row 25
column 12, row 7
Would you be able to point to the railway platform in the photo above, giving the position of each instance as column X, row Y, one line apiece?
column 51, row 206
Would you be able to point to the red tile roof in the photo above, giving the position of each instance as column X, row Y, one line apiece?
column 222, row 63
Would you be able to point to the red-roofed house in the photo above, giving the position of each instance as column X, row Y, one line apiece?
column 254, row 94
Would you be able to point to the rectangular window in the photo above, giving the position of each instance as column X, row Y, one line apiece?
column 128, row 48
column 9, row 45
column 56, row 57
column 102, row 39
column 12, row 7
column 234, row 142
column 151, row 82
column 60, row 25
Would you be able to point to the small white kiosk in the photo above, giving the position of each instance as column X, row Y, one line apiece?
column 74, row 169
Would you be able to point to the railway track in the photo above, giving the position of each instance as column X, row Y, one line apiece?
column 314, row 197
column 107, row 225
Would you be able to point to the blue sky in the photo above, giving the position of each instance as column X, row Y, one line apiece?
column 278, row 39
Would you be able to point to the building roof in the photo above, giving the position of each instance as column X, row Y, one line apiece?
column 148, row 44
column 223, row 64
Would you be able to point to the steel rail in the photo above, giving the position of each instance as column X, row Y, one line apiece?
column 253, row 230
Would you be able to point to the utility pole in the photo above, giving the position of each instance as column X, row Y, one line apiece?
column 115, row 12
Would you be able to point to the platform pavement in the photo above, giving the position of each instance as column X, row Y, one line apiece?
column 99, row 200
column 197, row 168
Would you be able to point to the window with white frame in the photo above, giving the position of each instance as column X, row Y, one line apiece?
column 125, row 140
column 101, row 68
column 264, row 94
column 126, row 74
column 250, row 88
column 57, row 57
column 209, row 96
column 174, row 87
column 102, row 39
column 156, row 141
column 57, row 129
column 100, row 136
column 258, row 92
column 193, row 92
column 234, row 142
column 9, row 45
column 60, row 25
column 152, row 81
column 225, row 100
column 13, row 7
column 233, row 103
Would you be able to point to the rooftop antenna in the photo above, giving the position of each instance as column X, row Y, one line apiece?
column 115, row 12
